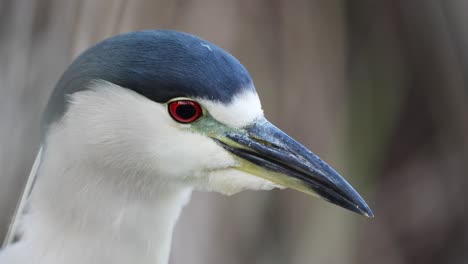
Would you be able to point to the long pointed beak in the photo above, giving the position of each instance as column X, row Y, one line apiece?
column 267, row 152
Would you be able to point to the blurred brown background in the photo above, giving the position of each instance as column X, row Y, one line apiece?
column 376, row 88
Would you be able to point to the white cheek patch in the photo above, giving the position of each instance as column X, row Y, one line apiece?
column 241, row 111
column 129, row 133
column 125, row 130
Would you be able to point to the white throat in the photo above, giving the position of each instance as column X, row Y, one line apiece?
column 76, row 216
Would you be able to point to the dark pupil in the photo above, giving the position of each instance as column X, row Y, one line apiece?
column 185, row 111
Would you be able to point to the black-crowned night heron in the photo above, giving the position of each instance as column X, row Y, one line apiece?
column 134, row 125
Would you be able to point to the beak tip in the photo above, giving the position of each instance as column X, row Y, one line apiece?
column 364, row 210
column 368, row 213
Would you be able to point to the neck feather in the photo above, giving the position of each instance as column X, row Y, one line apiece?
column 82, row 213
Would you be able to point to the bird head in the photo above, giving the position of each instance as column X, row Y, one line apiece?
column 169, row 108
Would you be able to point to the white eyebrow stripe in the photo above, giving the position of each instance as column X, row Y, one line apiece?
column 241, row 111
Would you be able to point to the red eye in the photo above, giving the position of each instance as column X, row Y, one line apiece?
column 185, row 111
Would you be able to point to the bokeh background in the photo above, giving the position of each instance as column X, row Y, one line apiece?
column 379, row 89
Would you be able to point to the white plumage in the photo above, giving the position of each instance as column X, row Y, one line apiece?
column 115, row 174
